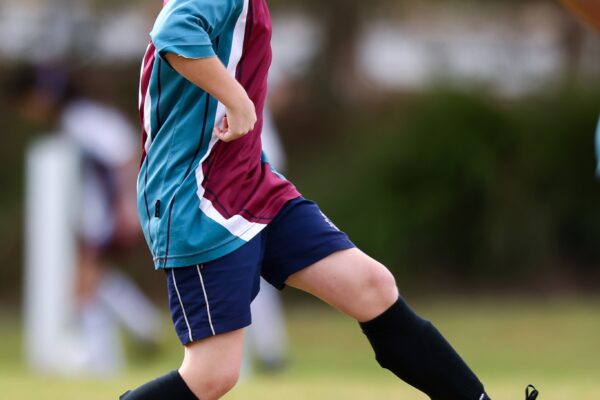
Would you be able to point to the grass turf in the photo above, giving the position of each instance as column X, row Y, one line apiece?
column 509, row 341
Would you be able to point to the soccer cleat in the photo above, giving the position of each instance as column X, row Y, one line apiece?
column 531, row 393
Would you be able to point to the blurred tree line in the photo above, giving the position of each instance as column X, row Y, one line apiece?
column 464, row 187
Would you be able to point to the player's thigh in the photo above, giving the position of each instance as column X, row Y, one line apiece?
column 350, row 281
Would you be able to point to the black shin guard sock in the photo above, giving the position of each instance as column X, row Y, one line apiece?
column 415, row 351
column 169, row 386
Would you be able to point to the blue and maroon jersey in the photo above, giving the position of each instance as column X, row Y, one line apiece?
column 200, row 198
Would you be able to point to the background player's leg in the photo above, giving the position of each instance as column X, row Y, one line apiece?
column 404, row 343
column 210, row 369
column 129, row 305
column 267, row 334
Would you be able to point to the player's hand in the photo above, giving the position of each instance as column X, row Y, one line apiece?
column 210, row 75
column 237, row 123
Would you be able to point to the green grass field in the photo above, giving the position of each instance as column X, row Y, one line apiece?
column 511, row 342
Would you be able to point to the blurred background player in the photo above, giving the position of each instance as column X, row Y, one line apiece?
column 106, row 217
column 267, row 338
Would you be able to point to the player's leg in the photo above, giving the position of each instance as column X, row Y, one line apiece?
column 210, row 306
column 412, row 348
column 210, row 369
column 305, row 250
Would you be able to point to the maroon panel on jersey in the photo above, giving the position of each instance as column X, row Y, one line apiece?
column 236, row 180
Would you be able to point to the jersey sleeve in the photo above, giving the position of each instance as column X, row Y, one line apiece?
column 188, row 28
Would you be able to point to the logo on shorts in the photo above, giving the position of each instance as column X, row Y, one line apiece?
column 329, row 221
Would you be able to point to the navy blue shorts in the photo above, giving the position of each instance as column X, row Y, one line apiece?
column 213, row 298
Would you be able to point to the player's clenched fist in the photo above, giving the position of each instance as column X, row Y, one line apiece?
column 238, row 122
column 211, row 75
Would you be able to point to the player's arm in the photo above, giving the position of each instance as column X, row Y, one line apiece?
column 588, row 10
column 184, row 34
column 211, row 75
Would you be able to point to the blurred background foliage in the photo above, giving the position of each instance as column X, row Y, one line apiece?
column 451, row 186
column 466, row 187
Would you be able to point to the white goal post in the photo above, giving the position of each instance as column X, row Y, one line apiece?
column 52, row 175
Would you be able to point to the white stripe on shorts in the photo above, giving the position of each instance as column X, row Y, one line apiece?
column 212, row 328
column 181, row 304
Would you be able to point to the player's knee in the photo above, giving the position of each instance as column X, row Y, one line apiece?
column 376, row 293
column 231, row 379
column 381, row 285
column 219, row 382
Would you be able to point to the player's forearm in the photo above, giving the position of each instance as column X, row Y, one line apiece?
column 211, row 75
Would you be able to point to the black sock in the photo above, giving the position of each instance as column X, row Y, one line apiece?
column 170, row 386
column 415, row 351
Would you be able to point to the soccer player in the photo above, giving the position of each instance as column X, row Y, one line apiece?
column 588, row 11
column 217, row 216
column 106, row 218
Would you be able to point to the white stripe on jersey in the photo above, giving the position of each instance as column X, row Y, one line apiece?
column 147, row 104
column 236, row 225
column 140, row 98
column 148, row 119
